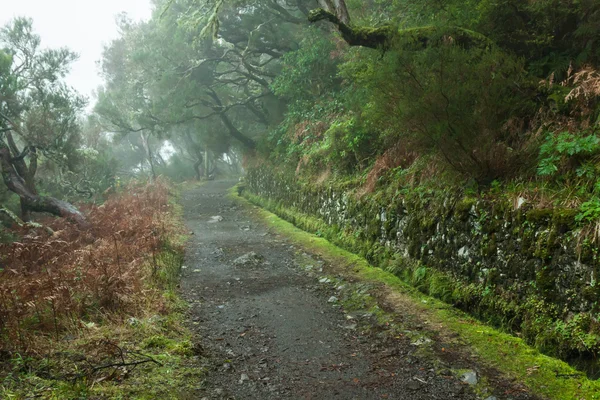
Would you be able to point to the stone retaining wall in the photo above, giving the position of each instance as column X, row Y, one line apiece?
column 528, row 270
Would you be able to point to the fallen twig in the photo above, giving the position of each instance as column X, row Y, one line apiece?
column 121, row 364
column 127, row 364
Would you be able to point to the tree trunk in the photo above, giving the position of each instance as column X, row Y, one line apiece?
column 337, row 7
column 25, row 212
column 29, row 182
column 146, row 142
column 30, row 200
column 197, row 153
column 23, row 170
column 206, row 164
column 233, row 131
column 198, row 170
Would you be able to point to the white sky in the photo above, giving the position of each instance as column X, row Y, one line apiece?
column 84, row 26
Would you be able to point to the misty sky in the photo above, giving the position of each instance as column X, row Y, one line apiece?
column 82, row 25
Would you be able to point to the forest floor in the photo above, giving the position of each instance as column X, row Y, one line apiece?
column 276, row 320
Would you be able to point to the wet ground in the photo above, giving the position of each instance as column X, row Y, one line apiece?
column 271, row 330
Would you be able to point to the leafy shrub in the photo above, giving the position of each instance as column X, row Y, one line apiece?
column 350, row 144
column 92, row 175
column 565, row 152
column 309, row 72
column 451, row 101
column 550, row 34
column 589, row 211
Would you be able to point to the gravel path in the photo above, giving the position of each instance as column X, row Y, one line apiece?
column 271, row 329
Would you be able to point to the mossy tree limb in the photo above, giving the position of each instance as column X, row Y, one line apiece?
column 386, row 36
column 367, row 37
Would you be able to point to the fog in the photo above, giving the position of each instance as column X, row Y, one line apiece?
column 143, row 230
column 82, row 25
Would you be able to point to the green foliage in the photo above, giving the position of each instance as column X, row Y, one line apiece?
column 430, row 99
column 309, row 72
column 164, row 75
column 308, row 81
column 443, row 90
column 350, row 144
column 589, row 211
column 551, row 34
column 547, row 165
column 40, row 125
column 566, row 151
column 459, row 85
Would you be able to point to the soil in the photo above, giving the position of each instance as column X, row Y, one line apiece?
column 271, row 329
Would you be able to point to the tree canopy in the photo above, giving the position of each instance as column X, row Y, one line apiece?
column 481, row 90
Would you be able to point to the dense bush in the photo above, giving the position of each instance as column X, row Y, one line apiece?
column 480, row 108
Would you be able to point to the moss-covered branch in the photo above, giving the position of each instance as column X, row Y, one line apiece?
column 386, row 36
column 367, row 37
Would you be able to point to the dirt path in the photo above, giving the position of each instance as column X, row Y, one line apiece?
column 273, row 331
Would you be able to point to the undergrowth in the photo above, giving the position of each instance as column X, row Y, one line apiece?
column 95, row 313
